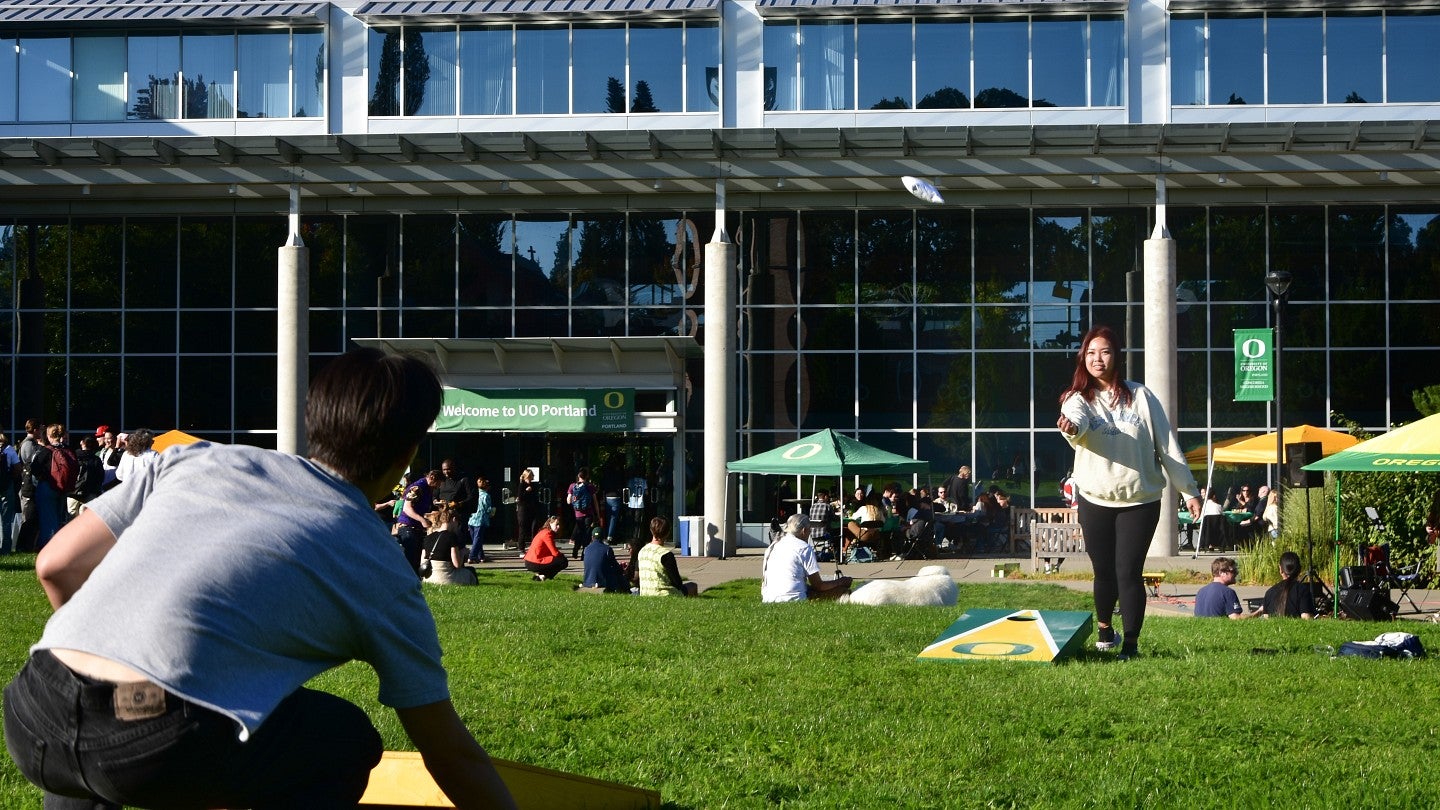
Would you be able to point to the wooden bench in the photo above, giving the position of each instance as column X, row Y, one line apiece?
column 400, row 780
column 1053, row 534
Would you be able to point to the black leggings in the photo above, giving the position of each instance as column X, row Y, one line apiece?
column 1117, row 540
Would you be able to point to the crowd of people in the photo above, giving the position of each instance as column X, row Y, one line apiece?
column 49, row 478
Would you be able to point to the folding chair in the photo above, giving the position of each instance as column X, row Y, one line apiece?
column 1402, row 579
column 918, row 542
column 1215, row 533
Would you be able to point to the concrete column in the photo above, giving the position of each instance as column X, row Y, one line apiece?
column 1160, row 362
column 719, row 386
column 292, row 339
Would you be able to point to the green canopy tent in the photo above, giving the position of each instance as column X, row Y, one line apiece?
column 1411, row 448
column 826, row 453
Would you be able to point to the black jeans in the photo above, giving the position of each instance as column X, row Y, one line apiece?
column 315, row 750
column 411, row 539
column 1117, row 540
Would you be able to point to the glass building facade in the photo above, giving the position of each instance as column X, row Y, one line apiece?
column 945, row 332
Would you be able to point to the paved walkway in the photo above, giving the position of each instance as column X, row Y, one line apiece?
column 1176, row 595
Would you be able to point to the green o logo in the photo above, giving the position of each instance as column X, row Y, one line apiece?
column 801, row 451
column 995, row 649
column 614, row 399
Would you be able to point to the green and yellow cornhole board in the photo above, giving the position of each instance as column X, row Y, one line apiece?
column 988, row 634
column 401, row 781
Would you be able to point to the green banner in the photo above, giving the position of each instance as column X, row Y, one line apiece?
column 550, row 410
column 1254, row 365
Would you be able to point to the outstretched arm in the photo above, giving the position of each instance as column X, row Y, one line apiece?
column 460, row 766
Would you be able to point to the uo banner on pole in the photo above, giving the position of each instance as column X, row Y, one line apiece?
column 1254, row 365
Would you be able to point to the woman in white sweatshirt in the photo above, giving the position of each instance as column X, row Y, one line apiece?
column 1125, row 455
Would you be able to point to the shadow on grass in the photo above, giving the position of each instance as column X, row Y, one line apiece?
column 17, row 562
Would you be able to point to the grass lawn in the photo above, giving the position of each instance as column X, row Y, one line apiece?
column 724, row 702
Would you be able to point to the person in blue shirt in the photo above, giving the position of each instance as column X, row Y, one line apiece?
column 1219, row 599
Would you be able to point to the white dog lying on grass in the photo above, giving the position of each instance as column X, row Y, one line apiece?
column 931, row 586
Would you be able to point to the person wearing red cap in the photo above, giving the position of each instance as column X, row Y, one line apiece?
column 109, row 452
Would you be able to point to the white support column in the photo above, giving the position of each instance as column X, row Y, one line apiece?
column 719, row 384
column 292, row 339
column 1160, row 357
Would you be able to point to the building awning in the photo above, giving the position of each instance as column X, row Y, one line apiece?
column 439, row 10
column 797, row 8
column 130, row 12
column 1258, row 6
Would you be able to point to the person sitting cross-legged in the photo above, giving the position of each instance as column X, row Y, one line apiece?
column 1218, row 598
column 659, row 574
column 790, row 572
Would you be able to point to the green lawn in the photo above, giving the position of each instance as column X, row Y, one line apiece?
column 723, row 702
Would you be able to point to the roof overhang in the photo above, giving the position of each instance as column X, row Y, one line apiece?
column 380, row 13
column 1257, row 6
column 496, row 363
column 531, row 170
column 146, row 12
column 811, row 8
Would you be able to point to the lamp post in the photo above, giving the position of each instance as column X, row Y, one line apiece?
column 1278, row 281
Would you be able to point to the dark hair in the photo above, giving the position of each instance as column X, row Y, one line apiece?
column 1289, row 574
column 660, row 527
column 1082, row 383
column 368, row 410
column 139, row 440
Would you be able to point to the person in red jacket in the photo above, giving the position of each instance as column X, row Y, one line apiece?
column 543, row 558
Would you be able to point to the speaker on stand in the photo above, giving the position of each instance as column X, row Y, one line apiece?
column 1297, row 455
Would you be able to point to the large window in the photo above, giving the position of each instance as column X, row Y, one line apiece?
column 943, row 332
column 157, row 76
column 544, row 69
column 1303, row 58
column 1016, row 61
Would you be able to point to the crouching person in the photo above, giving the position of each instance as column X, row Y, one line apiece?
column 171, row 671
column 790, row 572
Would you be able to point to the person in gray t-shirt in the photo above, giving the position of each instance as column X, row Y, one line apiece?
column 194, row 600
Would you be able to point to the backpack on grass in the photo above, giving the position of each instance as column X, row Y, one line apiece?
column 1385, row 645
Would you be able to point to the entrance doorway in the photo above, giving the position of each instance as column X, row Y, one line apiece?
column 613, row 461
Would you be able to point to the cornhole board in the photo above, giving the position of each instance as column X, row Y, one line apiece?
column 400, row 780
column 989, row 634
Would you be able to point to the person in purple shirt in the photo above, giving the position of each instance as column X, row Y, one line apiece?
column 419, row 502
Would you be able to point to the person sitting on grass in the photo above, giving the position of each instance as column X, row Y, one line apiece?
column 445, row 551
column 790, row 572
column 543, row 558
column 659, row 574
column 602, row 570
column 1218, row 598
column 1289, row 597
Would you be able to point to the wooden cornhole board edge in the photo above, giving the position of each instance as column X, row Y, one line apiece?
column 400, row 780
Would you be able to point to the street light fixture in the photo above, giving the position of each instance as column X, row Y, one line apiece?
column 1278, row 281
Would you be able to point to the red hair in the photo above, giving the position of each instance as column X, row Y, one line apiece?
column 1082, row 383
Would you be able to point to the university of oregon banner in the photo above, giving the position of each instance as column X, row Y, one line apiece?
column 1254, row 365
column 552, row 410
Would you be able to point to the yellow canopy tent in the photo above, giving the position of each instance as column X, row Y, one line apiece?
column 1261, row 449
column 173, row 438
column 1199, row 458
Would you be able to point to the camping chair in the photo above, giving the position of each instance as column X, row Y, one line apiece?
column 1215, row 533
column 1403, row 579
column 868, row 536
column 917, row 542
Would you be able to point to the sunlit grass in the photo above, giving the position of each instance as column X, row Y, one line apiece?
column 721, row 701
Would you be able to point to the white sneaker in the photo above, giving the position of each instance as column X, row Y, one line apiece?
column 1112, row 644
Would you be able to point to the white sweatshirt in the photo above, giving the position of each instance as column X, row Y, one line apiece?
column 1123, row 454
